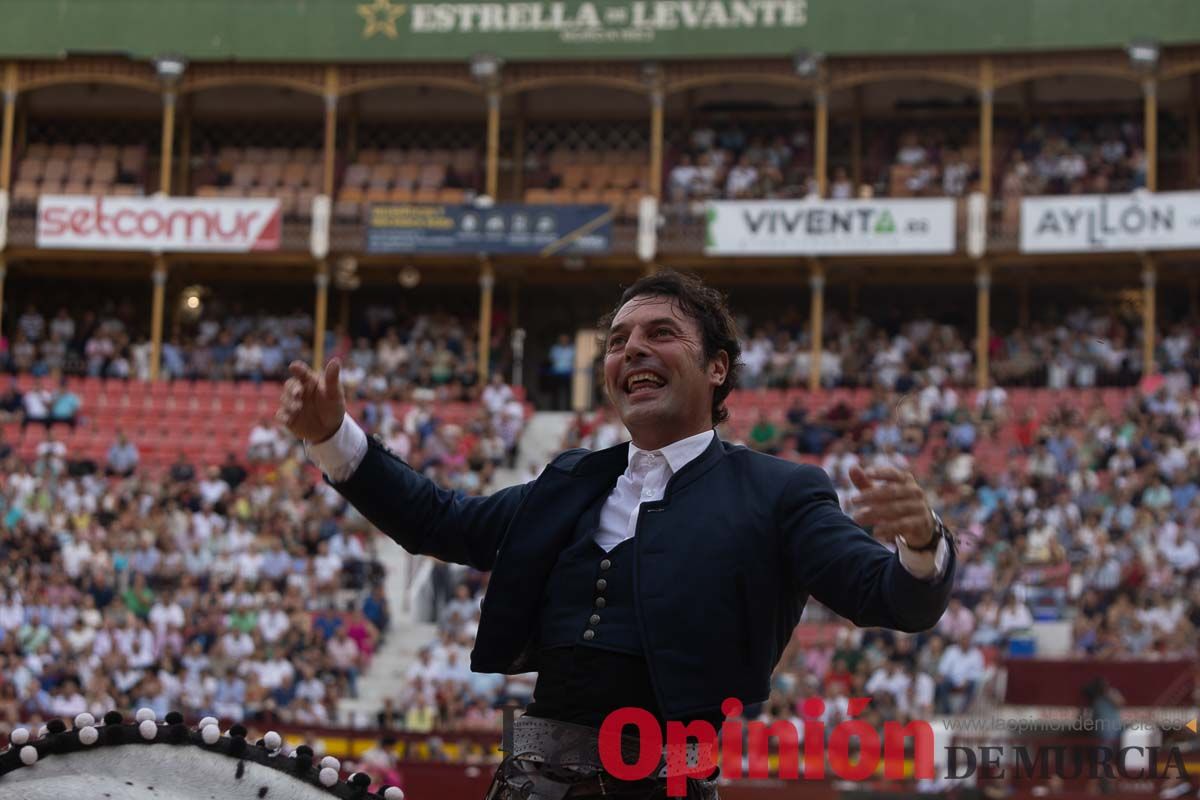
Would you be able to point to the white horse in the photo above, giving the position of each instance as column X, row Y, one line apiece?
column 111, row 761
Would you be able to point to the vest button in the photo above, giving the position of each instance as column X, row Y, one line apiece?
column 605, row 564
column 601, row 602
column 601, row 585
column 588, row 635
column 594, row 619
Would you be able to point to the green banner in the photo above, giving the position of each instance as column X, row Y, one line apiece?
column 351, row 30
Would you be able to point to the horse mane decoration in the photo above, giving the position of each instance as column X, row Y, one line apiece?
column 110, row 762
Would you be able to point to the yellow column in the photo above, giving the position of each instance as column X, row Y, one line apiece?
column 321, row 314
column 330, row 146
column 1149, row 282
column 821, row 140
column 487, row 282
column 156, row 314
column 492, row 187
column 816, row 281
column 986, row 94
column 656, row 142
column 1150, row 134
column 168, row 147
column 6, row 136
column 983, row 308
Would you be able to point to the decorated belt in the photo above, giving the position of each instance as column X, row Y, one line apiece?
column 576, row 748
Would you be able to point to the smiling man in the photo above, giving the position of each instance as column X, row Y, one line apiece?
column 665, row 573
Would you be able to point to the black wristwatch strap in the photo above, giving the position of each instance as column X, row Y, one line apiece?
column 939, row 532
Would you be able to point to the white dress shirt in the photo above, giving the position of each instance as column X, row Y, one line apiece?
column 644, row 481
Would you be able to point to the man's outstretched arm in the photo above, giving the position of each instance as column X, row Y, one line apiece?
column 833, row 559
column 411, row 509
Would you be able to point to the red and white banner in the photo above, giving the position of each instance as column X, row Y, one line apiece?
column 158, row 224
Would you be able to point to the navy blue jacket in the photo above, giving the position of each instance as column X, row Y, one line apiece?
column 725, row 561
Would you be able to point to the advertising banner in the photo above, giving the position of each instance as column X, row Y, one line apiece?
column 504, row 228
column 830, row 227
column 1110, row 222
column 455, row 30
column 158, row 224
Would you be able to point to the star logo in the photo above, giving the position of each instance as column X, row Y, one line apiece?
column 380, row 17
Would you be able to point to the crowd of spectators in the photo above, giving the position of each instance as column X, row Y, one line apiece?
column 384, row 354
column 244, row 593
column 1060, row 155
column 249, row 590
column 1081, row 348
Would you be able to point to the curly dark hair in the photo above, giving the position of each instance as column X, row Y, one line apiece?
column 708, row 307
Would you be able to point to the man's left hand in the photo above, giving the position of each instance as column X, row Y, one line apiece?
column 893, row 504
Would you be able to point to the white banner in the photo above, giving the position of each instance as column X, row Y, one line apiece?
column 830, row 227
column 1108, row 222
column 158, row 224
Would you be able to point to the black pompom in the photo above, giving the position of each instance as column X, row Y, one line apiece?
column 238, row 731
column 56, row 726
column 360, row 779
column 237, row 745
column 174, row 718
column 177, row 733
column 304, row 759
column 113, row 718
column 113, row 733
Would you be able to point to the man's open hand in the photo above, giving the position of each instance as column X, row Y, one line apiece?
column 311, row 405
column 893, row 504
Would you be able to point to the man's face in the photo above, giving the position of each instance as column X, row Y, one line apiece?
column 655, row 372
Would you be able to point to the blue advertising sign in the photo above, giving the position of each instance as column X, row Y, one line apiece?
column 545, row 230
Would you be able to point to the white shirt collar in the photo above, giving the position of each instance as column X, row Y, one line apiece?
column 679, row 453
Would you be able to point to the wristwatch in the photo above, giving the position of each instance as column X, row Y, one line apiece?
column 940, row 531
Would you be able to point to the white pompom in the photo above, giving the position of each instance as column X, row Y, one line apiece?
column 331, row 762
column 210, row 733
column 19, row 736
column 329, row 776
column 43, row 732
column 88, row 735
column 393, row 793
column 204, row 723
column 83, row 720
column 144, row 714
column 292, row 754
column 148, row 729
column 272, row 740
column 28, row 755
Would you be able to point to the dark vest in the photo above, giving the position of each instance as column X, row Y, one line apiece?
column 591, row 659
column 588, row 599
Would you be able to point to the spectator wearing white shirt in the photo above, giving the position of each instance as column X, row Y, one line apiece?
column 741, row 179
column 496, row 395
column 266, row 442
column 1181, row 552
column 166, row 613
column 959, row 672
column 273, row 623
column 1014, row 616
